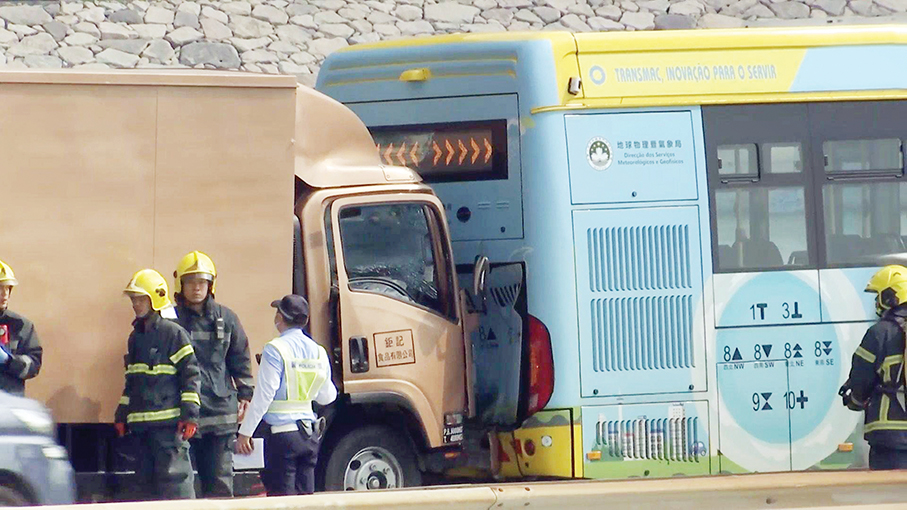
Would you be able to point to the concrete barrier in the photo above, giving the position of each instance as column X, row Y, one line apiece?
column 814, row 490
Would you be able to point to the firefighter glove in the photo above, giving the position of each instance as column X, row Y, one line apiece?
column 187, row 429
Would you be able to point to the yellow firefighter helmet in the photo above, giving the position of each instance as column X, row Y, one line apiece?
column 6, row 275
column 883, row 284
column 149, row 282
column 196, row 263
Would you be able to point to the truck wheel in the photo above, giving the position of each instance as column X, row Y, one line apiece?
column 11, row 497
column 372, row 457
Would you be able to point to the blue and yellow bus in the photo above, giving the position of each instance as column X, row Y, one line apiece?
column 695, row 215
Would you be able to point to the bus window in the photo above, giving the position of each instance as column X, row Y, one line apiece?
column 737, row 160
column 757, row 158
column 761, row 228
column 876, row 156
column 783, row 158
column 863, row 221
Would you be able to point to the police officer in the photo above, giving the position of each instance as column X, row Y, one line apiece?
column 294, row 372
column 160, row 400
column 20, row 350
column 222, row 350
column 876, row 382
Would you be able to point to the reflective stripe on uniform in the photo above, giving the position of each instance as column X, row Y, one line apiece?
column 182, row 353
column 190, row 396
column 887, row 363
column 863, row 353
column 142, row 368
column 165, row 414
column 885, row 425
column 290, row 407
column 226, row 419
column 303, row 379
column 124, row 400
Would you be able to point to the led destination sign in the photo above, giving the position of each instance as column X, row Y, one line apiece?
column 446, row 152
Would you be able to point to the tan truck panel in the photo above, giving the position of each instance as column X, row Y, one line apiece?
column 99, row 181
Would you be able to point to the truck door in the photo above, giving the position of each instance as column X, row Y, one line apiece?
column 400, row 329
column 496, row 342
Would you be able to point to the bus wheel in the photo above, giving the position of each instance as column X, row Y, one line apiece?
column 372, row 457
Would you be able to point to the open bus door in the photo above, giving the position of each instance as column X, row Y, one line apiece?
column 512, row 368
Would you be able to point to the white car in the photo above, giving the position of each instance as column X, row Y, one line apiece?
column 34, row 469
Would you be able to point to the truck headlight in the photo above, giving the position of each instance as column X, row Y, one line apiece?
column 37, row 421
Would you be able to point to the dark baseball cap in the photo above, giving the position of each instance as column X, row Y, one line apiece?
column 294, row 308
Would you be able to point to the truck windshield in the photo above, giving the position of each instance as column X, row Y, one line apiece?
column 388, row 249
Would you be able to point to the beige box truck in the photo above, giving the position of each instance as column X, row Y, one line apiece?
column 107, row 173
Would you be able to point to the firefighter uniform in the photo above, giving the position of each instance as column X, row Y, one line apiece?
column 295, row 371
column 222, row 350
column 20, row 341
column 18, row 337
column 160, row 402
column 876, row 382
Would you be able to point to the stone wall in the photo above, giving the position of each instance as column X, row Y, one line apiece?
column 293, row 37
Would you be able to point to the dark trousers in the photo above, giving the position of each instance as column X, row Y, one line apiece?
column 212, row 456
column 882, row 458
column 163, row 467
column 290, row 459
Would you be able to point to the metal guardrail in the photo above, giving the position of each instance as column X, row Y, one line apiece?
column 880, row 490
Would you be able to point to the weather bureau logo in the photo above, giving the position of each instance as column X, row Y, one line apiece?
column 598, row 153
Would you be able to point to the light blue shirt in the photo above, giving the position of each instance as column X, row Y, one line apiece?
column 272, row 383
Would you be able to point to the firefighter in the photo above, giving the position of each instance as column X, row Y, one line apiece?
column 222, row 350
column 294, row 372
column 876, row 382
column 20, row 350
column 160, row 401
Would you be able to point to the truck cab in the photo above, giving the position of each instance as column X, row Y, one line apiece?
column 373, row 256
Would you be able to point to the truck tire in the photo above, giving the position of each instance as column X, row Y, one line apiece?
column 11, row 497
column 371, row 457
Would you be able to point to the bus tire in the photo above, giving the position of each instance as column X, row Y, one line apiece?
column 371, row 457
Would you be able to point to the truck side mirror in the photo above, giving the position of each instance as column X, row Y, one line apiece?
column 479, row 279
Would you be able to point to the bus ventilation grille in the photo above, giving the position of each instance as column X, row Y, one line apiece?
column 639, row 258
column 670, row 439
column 505, row 296
column 642, row 333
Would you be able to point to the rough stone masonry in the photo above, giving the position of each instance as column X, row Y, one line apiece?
column 293, row 37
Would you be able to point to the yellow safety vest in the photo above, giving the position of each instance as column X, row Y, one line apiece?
column 303, row 379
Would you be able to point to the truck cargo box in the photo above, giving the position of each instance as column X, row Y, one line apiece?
column 108, row 173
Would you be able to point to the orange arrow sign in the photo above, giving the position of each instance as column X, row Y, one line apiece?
column 488, row 151
column 434, row 146
column 388, row 154
column 475, row 148
column 415, row 155
column 450, row 152
column 463, row 152
column 401, row 153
